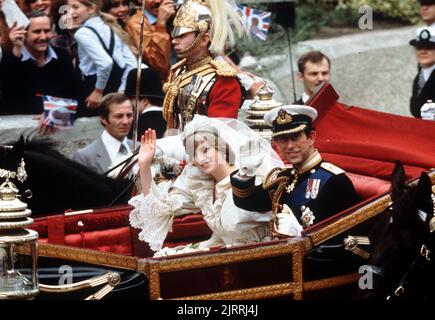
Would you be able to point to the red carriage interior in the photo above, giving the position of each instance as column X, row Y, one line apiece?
column 109, row 229
column 363, row 142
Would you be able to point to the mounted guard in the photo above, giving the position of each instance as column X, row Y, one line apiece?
column 198, row 83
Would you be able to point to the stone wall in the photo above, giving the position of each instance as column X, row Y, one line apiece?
column 371, row 69
column 69, row 140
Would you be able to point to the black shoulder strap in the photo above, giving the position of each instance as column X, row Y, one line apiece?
column 112, row 40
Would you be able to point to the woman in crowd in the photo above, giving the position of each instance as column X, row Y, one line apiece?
column 103, row 53
column 42, row 5
column 204, row 185
column 117, row 8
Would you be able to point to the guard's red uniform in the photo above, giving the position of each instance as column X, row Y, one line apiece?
column 209, row 88
column 225, row 98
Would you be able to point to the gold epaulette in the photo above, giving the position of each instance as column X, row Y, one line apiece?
column 274, row 178
column 331, row 168
column 224, row 69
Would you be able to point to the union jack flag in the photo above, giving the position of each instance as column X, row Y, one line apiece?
column 257, row 21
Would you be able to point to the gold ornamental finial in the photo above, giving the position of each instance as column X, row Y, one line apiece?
column 265, row 92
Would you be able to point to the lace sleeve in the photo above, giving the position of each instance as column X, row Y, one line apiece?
column 154, row 213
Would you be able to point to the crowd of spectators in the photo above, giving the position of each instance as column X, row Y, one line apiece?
column 85, row 49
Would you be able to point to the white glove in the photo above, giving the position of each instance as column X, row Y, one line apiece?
column 287, row 223
column 250, row 157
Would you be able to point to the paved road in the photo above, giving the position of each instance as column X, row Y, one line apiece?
column 371, row 69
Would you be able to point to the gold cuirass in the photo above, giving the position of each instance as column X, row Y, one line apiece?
column 187, row 90
column 188, row 87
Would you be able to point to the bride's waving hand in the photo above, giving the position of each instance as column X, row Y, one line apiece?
column 145, row 158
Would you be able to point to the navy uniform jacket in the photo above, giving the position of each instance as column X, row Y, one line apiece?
column 427, row 93
column 335, row 191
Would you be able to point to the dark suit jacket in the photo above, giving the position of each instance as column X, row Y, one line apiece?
column 95, row 156
column 300, row 101
column 427, row 93
column 152, row 118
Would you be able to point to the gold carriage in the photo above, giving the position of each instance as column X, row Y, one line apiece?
column 366, row 144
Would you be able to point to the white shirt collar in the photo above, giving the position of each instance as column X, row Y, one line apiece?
column 92, row 21
column 51, row 54
column 112, row 145
column 305, row 97
column 313, row 160
column 427, row 72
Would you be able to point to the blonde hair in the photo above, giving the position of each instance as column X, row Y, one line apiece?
column 110, row 20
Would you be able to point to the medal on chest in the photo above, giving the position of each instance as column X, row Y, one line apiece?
column 307, row 217
column 312, row 190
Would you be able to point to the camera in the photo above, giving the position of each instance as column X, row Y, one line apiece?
column 178, row 3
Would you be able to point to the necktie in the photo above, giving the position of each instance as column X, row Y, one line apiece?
column 421, row 82
column 122, row 150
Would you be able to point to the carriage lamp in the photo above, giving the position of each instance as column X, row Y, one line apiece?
column 18, row 268
column 262, row 104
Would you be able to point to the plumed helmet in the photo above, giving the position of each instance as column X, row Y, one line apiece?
column 194, row 15
column 218, row 17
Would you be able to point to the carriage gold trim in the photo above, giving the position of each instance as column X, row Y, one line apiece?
column 291, row 252
column 293, row 248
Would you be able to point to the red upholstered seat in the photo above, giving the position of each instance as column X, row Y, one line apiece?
column 104, row 229
column 186, row 229
column 368, row 187
column 189, row 226
column 109, row 229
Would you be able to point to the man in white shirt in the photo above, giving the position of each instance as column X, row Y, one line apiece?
column 427, row 12
column 424, row 83
column 314, row 68
column 112, row 147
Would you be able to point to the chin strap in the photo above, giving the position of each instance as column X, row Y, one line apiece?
column 186, row 53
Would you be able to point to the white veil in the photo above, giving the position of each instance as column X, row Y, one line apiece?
column 194, row 190
column 236, row 134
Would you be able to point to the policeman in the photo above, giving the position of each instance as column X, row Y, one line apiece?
column 311, row 190
column 423, row 88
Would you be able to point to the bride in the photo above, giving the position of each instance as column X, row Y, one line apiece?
column 213, row 147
